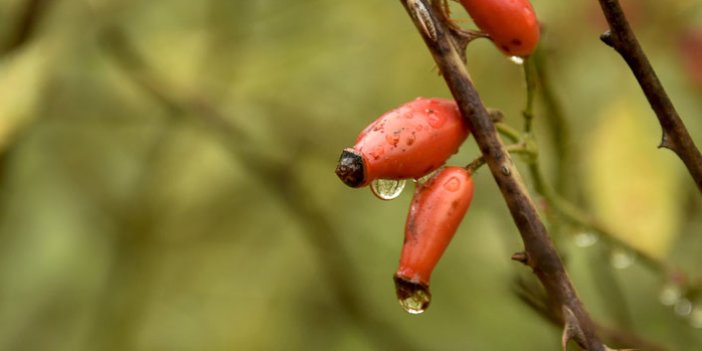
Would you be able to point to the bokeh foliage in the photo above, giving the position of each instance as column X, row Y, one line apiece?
column 166, row 179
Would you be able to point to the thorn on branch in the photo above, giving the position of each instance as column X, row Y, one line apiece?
column 572, row 329
column 665, row 142
column 607, row 38
column 521, row 257
column 495, row 115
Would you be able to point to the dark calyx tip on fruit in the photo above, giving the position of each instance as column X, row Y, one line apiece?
column 350, row 168
column 406, row 289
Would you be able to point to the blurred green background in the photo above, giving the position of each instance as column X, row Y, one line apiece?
column 167, row 179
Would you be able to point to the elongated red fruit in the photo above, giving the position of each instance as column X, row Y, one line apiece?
column 407, row 142
column 511, row 24
column 437, row 208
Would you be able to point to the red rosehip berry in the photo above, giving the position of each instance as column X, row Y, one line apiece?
column 407, row 142
column 437, row 208
column 511, row 24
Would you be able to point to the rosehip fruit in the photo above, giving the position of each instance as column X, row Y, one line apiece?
column 407, row 142
column 437, row 208
column 511, row 24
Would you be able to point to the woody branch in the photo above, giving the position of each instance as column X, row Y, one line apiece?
column 675, row 134
column 539, row 253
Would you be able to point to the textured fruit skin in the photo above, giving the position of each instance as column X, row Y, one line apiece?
column 511, row 24
column 436, row 211
column 407, row 142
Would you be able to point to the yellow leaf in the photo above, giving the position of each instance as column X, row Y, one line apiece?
column 633, row 185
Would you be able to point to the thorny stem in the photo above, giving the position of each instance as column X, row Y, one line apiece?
column 541, row 254
column 535, row 299
column 675, row 135
column 563, row 207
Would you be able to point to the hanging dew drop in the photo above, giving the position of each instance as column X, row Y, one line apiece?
column 621, row 259
column 413, row 297
column 585, row 239
column 516, row 59
column 387, row 189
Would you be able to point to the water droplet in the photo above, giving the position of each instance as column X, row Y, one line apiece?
column 696, row 317
column 452, row 184
column 670, row 294
column 393, row 138
column 413, row 297
column 683, row 307
column 585, row 239
column 621, row 259
column 437, row 120
column 387, row 189
column 516, row 59
column 377, row 152
column 411, row 138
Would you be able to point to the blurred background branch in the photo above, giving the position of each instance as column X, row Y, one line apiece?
column 25, row 24
column 337, row 264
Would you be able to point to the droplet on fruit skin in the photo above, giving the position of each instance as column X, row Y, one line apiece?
column 452, row 184
column 387, row 189
column 392, row 139
column 411, row 138
column 436, row 120
column 377, row 152
column 414, row 298
column 379, row 126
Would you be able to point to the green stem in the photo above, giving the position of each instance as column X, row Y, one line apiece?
column 530, row 79
column 508, row 131
column 518, row 148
